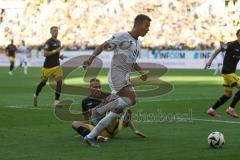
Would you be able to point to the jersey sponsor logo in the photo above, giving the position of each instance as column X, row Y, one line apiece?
column 236, row 56
column 88, row 104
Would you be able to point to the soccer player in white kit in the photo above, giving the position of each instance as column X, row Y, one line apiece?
column 126, row 47
column 22, row 50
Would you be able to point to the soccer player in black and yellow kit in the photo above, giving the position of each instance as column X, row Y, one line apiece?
column 231, row 59
column 51, row 65
column 11, row 50
column 94, row 101
column 96, row 97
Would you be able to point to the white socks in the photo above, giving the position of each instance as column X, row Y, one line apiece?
column 102, row 125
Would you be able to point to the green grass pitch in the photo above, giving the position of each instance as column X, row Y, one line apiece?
column 28, row 133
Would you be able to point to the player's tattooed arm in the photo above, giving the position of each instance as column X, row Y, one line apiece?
column 209, row 63
column 96, row 52
column 135, row 130
column 128, row 122
column 136, row 67
column 143, row 74
column 86, row 117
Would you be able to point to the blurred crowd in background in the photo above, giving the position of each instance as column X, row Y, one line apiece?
column 176, row 24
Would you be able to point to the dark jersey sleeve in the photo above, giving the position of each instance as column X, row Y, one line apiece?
column 84, row 107
column 47, row 46
column 225, row 46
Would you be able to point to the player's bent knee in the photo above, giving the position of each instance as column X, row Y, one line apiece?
column 59, row 82
column 133, row 102
column 76, row 124
column 229, row 94
column 118, row 110
column 43, row 82
column 124, row 102
column 58, row 79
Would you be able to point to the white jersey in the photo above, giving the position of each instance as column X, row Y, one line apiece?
column 22, row 50
column 126, row 51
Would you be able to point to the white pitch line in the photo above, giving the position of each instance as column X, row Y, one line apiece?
column 30, row 106
column 218, row 121
column 173, row 99
column 50, row 109
column 26, row 107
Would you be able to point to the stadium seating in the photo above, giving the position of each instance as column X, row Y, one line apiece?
column 176, row 24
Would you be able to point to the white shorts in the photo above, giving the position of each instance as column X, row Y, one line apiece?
column 22, row 58
column 117, row 80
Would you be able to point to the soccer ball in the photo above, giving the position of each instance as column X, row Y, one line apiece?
column 216, row 139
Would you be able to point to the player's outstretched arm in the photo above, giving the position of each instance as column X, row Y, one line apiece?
column 135, row 130
column 212, row 58
column 141, row 71
column 128, row 122
column 96, row 52
column 62, row 57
